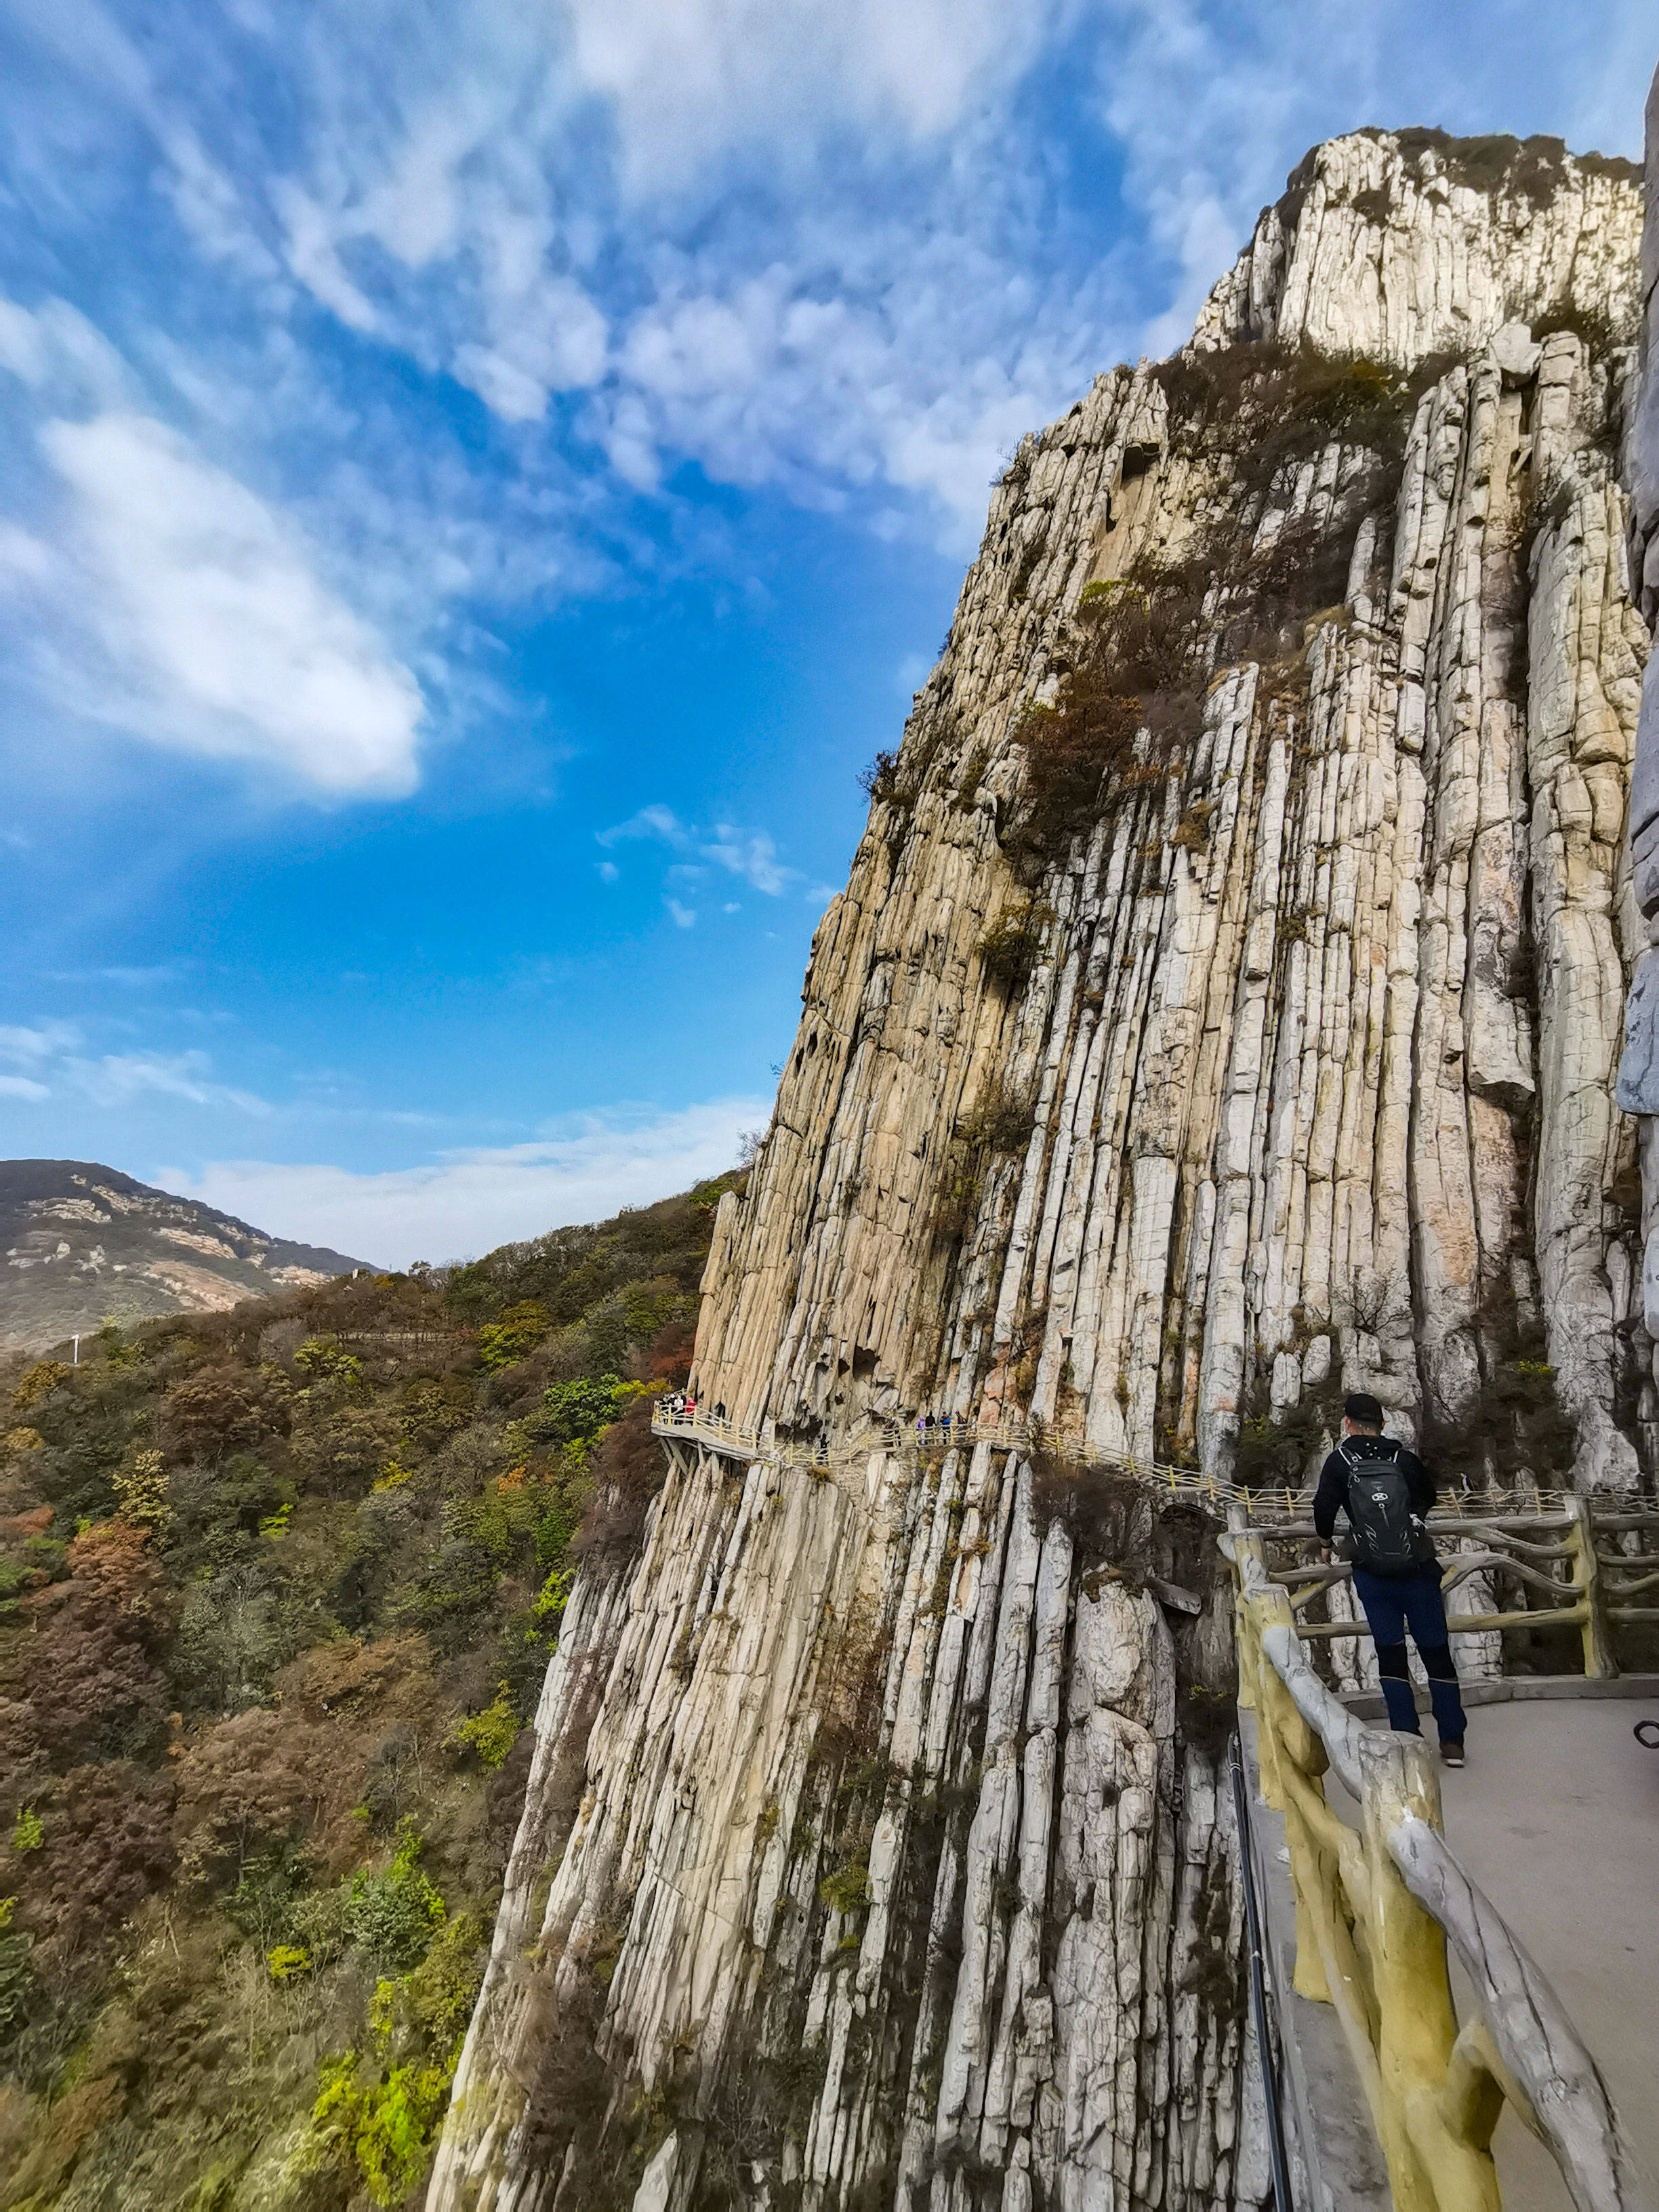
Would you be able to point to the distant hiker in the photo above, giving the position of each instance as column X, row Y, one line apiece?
column 1387, row 1492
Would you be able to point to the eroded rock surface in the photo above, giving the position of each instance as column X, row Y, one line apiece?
column 896, row 1867
column 1638, row 1074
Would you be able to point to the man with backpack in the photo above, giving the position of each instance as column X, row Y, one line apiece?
column 1386, row 1492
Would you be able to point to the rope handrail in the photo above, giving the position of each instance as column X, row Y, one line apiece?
column 1374, row 1907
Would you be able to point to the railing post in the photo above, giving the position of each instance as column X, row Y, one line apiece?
column 1430, row 2167
column 1283, row 1740
column 1598, row 1661
column 1240, row 1539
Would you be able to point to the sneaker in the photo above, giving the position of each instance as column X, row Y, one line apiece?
column 1451, row 1754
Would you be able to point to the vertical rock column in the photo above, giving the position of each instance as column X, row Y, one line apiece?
column 1639, row 1074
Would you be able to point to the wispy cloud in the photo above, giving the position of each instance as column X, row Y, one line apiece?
column 176, row 604
column 845, row 252
column 121, row 1078
column 49, row 1059
column 751, row 855
column 466, row 1202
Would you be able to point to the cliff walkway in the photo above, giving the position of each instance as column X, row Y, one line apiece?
column 849, row 1454
column 1461, row 1982
column 1478, row 1959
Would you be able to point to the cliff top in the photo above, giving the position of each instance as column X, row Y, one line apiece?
column 1404, row 244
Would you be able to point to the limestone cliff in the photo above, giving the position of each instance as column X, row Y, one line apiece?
column 1224, row 1005
column 1638, row 1075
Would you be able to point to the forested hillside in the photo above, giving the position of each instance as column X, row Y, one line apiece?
column 277, row 1589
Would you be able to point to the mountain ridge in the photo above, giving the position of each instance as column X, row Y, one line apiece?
column 82, row 1243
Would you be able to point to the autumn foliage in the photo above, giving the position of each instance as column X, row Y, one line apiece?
column 277, row 1589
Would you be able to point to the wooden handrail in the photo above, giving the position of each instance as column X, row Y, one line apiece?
column 1585, row 1599
column 1374, row 1907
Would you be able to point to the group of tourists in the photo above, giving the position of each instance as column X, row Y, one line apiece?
column 681, row 1405
column 932, row 1429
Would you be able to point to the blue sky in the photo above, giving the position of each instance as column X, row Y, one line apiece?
column 477, row 483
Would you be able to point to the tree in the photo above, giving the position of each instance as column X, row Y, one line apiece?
column 519, row 1330
column 95, row 1688
column 225, row 1409
column 577, row 1413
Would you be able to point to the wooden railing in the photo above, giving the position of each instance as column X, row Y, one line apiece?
column 1560, row 1549
column 1549, row 1552
column 1375, row 1905
column 1009, row 1433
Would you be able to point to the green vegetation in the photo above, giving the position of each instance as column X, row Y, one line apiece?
column 492, row 1734
column 847, row 1890
column 277, row 1589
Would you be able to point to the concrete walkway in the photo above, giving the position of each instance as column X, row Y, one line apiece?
column 1557, row 1817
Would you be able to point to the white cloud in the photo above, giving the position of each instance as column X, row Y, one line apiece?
column 750, row 854
column 472, row 1201
column 50, row 1060
column 793, row 242
column 196, row 619
column 33, row 1045
column 122, row 1078
column 313, row 257
column 684, row 916
column 688, row 81
column 654, row 820
column 54, row 348
column 553, row 342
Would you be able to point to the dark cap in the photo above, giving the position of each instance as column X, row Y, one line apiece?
column 1360, row 1406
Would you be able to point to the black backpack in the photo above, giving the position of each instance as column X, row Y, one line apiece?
column 1388, row 1538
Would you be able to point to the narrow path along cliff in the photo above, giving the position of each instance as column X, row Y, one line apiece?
column 1223, row 1011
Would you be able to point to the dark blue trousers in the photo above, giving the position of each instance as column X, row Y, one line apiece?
column 1393, row 1603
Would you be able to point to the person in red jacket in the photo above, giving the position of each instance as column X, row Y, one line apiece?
column 1385, row 1492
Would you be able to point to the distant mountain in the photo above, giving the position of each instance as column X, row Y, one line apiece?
column 81, row 1243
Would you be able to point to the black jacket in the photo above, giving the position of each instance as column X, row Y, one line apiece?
column 1332, row 1496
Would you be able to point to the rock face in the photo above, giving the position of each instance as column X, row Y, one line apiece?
column 1223, row 1011
column 1638, row 1074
